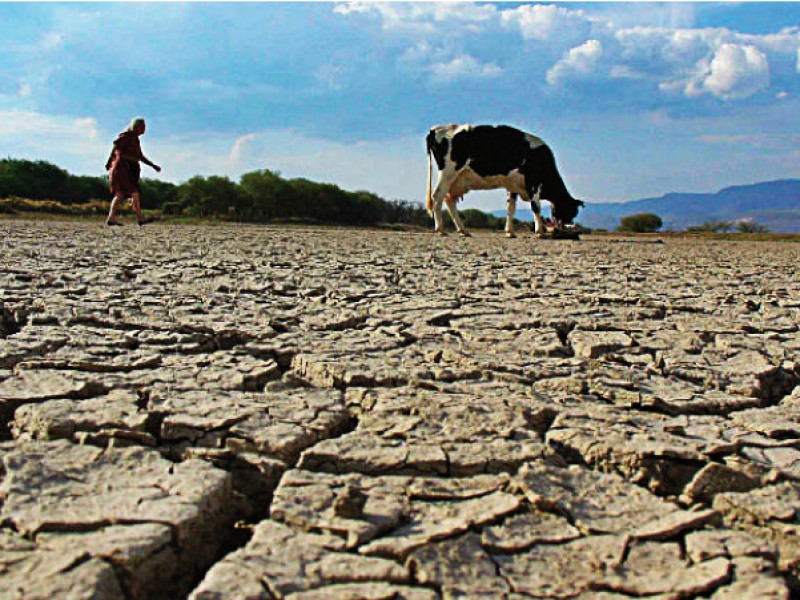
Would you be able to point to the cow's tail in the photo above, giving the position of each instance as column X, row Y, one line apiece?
column 428, row 197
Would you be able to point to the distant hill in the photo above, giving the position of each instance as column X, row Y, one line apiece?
column 773, row 204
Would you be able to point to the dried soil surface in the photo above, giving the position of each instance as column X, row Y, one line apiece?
column 249, row 412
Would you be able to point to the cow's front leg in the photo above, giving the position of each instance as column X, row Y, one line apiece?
column 511, row 210
column 539, row 228
column 451, row 208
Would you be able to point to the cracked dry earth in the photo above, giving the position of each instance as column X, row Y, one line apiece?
column 244, row 412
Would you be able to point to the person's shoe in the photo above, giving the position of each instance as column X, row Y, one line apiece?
column 145, row 221
column 110, row 223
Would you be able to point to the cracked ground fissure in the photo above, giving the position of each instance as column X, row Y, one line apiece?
column 429, row 418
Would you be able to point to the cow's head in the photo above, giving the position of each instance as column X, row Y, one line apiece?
column 566, row 210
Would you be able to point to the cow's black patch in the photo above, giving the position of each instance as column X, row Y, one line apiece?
column 437, row 149
column 542, row 174
column 490, row 150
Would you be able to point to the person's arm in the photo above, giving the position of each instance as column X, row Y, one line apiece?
column 150, row 164
column 130, row 149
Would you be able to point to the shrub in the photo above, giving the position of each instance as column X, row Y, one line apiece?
column 15, row 205
column 476, row 219
column 711, row 227
column 750, row 226
column 640, row 223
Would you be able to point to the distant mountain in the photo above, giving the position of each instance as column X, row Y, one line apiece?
column 773, row 204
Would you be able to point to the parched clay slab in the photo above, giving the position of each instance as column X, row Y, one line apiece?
column 411, row 430
column 159, row 521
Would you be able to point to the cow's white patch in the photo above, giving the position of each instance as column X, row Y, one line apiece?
column 534, row 141
column 467, row 180
column 449, row 132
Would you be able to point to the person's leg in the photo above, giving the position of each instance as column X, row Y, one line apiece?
column 112, row 212
column 136, row 201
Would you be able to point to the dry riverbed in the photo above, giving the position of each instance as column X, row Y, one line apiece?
column 249, row 412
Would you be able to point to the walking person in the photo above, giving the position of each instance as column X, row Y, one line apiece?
column 124, row 170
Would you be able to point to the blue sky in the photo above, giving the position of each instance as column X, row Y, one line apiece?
column 636, row 99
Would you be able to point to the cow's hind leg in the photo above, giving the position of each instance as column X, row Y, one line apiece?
column 511, row 209
column 451, row 208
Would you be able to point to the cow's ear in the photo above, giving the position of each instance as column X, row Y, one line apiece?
column 581, row 203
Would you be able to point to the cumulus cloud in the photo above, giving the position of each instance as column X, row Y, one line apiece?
column 655, row 45
column 695, row 62
column 67, row 140
column 17, row 122
column 421, row 17
column 463, row 66
column 692, row 62
column 733, row 72
column 547, row 22
column 581, row 60
column 240, row 147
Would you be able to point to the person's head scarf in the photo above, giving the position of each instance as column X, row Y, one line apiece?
column 135, row 122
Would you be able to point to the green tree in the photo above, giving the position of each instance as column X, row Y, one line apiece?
column 711, row 226
column 402, row 211
column 264, row 195
column 640, row 223
column 156, row 193
column 750, row 226
column 476, row 219
column 331, row 204
column 373, row 209
column 37, row 180
column 212, row 196
column 82, row 188
column 300, row 200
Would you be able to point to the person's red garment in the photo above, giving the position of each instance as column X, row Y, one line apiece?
column 123, row 164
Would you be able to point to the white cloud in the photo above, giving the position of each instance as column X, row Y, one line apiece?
column 547, row 22
column 52, row 41
column 463, row 66
column 654, row 44
column 669, row 15
column 240, row 148
column 422, row 16
column 663, row 49
column 581, row 60
column 69, row 141
column 695, row 62
column 734, row 72
column 63, row 128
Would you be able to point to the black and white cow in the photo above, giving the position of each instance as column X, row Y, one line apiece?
column 485, row 157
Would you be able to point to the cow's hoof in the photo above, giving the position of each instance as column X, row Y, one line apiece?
column 440, row 233
column 465, row 234
column 510, row 234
